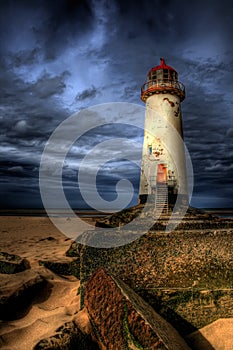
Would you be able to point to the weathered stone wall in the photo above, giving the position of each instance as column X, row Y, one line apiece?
column 193, row 220
column 122, row 320
column 178, row 259
column 187, row 275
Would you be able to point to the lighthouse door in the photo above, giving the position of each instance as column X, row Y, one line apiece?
column 162, row 174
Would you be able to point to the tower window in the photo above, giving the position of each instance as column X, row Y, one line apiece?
column 159, row 74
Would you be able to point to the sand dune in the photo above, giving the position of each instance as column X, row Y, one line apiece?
column 44, row 317
column 35, row 238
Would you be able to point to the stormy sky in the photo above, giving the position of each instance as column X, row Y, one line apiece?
column 60, row 57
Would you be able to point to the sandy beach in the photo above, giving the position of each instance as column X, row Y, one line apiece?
column 36, row 238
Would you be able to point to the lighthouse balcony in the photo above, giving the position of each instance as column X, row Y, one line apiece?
column 152, row 87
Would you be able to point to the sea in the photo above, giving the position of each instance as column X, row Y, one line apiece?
column 219, row 212
column 52, row 213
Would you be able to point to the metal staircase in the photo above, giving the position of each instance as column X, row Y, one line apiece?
column 161, row 199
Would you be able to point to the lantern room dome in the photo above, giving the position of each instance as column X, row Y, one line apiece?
column 162, row 65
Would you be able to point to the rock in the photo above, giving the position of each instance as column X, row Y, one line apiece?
column 64, row 267
column 120, row 218
column 17, row 292
column 50, row 238
column 123, row 320
column 10, row 263
column 68, row 336
column 74, row 250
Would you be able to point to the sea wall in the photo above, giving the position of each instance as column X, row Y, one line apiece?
column 186, row 275
column 122, row 320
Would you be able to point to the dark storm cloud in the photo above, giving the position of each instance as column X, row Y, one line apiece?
column 88, row 93
column 58, row 57
column 230, row 133
column 207, row 114
column 47, row 86
column 24, row 57
column 77, row 12
column 47, row 22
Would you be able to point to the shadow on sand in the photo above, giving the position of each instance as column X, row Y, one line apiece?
column 18, row 305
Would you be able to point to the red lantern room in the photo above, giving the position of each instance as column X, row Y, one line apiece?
column 162, row 79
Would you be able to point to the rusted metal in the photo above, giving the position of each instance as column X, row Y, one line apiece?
column 152, row 87
column 171, row 103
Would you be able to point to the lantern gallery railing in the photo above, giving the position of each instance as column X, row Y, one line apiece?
column 154, row 86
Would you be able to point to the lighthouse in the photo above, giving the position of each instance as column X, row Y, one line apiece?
column 163, row 171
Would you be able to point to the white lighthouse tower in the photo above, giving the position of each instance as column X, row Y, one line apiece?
column 163, row 173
